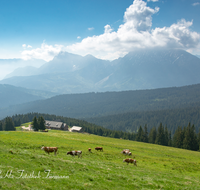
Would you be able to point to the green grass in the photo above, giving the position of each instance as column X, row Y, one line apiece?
column 158, row 167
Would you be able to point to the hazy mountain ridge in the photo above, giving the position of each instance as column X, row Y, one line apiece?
column 12, row 95
column 142, row 69
column 110, row 103
column 22, row 67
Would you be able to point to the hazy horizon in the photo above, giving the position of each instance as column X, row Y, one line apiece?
column 105, row 29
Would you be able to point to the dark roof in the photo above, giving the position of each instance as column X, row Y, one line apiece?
column 54, row 124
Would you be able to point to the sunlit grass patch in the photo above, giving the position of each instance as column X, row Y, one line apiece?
column 158, row 167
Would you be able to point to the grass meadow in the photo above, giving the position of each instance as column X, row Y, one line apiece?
column 23, row 165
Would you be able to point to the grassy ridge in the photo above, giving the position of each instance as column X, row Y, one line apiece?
column 158, row 167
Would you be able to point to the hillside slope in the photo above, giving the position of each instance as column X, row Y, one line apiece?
column 102, row 104
column 157, row 166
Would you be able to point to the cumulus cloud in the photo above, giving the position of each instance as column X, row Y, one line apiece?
column 78, row 37
column 136, row 32
column 45, row 52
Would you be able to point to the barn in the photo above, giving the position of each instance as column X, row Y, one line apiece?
column 56, row 125
column 76, row 129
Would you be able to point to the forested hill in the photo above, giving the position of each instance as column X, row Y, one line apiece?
column 131, row 121
column 110, row 103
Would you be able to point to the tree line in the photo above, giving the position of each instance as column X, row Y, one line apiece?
column 7, row 124
column 184, row 137
column 131, row 121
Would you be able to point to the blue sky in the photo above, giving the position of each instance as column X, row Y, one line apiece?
column 107, row 29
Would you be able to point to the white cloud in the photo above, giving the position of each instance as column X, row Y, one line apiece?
column 78, row 37
column 26, row 46
column 153, row 0
column 108, row 29
column 195, row 4
column 91, row 28
column 136, row 32
column 45, row 52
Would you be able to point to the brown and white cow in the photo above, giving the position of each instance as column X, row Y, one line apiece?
column 130, row 160
column 126, row 152
column 89, row 149
column 99, row 148
column 50, row 149
column 75, row 153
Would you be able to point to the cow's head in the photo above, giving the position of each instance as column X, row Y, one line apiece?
column 42, row 148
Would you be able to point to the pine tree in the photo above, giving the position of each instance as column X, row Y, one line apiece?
column 145, row 135
column 190, row 140
column 166, row 136
column 1, row 126
column 160, row 138
column 198, row 139
column 139, row 136
column 178, row 138
column 17, row 122
column 35, row 124
column 152, row 135
column 116, row 134
column 9, row 124
column 170, row 139
column 41, row 123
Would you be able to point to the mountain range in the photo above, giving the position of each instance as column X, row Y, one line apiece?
column 143, row 69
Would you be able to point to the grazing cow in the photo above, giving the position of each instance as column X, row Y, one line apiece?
column 50, row 149
column 126, row 152
column 75, row 153
column 99, row 148
column 89, row 149
column 130, row 160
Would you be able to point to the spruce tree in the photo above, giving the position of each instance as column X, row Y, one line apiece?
column 178, row 138
column 152, row 135
column 145, row 135
column 198, row 139
column 35, row 124
column 190, row 140
column 166, row 140
column 170, row 139
column 9, row 124
column 1, row 126
column 139, row 136
column 160, row 138
column 41, row 123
